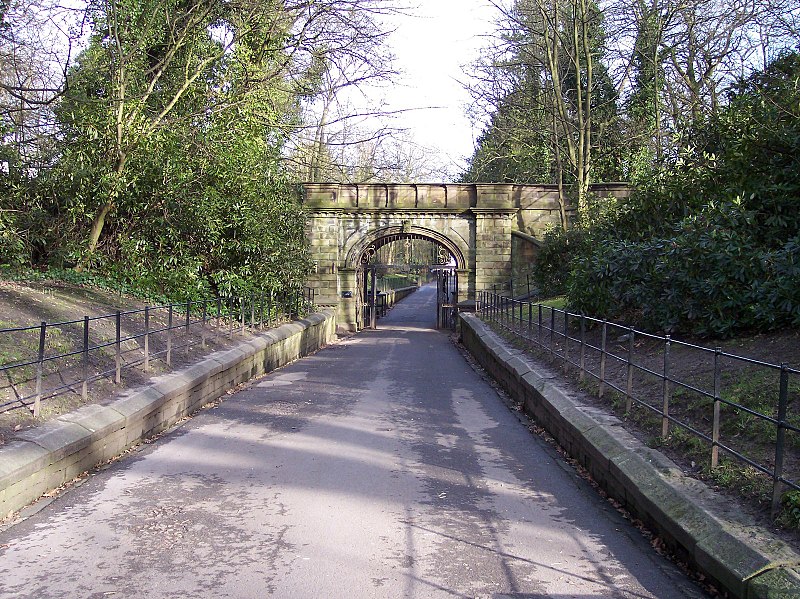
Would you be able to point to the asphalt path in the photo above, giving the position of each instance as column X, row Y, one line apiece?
column 382, row 466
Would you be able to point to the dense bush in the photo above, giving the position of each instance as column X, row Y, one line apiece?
column 167, row 179
column 710, row 245
column 710, row 278
column 550, row 275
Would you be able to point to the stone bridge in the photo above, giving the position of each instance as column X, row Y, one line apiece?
column 489, row 230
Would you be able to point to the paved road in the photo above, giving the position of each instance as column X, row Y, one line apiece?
column 383, row 466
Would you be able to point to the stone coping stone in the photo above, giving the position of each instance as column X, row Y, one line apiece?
column 58, row 437
column 283, row 332
column 747, row 561
column 98, row 419
column 257, row 343
column 133, row 405
column 519, row 366
column 231, row 357
column 19, row 459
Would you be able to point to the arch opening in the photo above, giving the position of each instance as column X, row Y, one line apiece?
column 370, row 245
column 409, row 251
column 394, row 257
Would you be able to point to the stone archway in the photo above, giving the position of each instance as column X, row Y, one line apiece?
column 473, row 221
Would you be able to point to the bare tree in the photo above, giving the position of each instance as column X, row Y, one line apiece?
column 550, row 52
column 571, row 67
column 38, row 39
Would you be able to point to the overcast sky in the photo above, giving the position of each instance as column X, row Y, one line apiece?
column 431, row 45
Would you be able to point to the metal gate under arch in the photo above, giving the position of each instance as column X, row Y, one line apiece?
column 446, row 298
column 368, row 297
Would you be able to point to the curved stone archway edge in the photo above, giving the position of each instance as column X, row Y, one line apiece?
column 356, row 247
column 44, row 458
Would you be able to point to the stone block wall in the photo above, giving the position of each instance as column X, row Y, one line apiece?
column 524, row 250
column 41, row 459
column 738, row 559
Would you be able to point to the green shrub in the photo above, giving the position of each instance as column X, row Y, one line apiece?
column 710, row 278
column 551, row 271
column 710, row 244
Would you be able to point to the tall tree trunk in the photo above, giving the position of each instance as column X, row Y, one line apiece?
column 99, row 220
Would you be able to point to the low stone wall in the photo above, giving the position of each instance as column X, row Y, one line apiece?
column 41, row 459
column 395, row 295
column 746, row 561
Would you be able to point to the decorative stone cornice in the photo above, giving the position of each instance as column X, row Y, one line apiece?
column 435, row 196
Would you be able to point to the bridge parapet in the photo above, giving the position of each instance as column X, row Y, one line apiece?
column 457, row 197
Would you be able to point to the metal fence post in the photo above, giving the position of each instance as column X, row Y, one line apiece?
column 252, row 310
column 261, row 312
column 219, row 314
column 85, row 387
column 552, row 330
column 37, row 403
column 665, row 407
column 780, row 440
column 241, row 314
column 203, row 328
column 188, row 322
column 629, row 374
column 540, row 326
column 230, row 318
column 717, row 405
column 146, row 338
column 170, row 311
column 118, row 349
column 603, row 339
column 582, row 373
column 530, row 321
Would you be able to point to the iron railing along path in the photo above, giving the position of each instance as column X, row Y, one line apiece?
column 609, row 354
column 51, row 365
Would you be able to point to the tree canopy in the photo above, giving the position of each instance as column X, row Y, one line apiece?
column 159, row 155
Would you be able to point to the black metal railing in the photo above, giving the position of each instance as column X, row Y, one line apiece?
column 638, row 366
column 41, row 362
